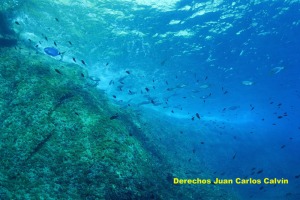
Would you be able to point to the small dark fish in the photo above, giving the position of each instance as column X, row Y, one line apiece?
column 46, row 38
column 197, row 115
column 271, row 102
column 225, row 92
column 70, row 42
column 172, row 111
column 107, row 64
column 193, row 118
column 260, row 171
column 297, row 176
column 74, row 59
column 56, row 19
column 206, row 78
column 279, row 117
column 282, row 146
column 234, row 156
column 29, row 40
column 82, row 61
column 36, row 46
column 147, row 89
column 111, row 82
column 201, row 142
column 17, row 22
column 194, row 150
column 128, row 72
column 114, row 96
column 279, row 104
column 76, row 113
column 55, row 43
column 253, row 168
column 57, row 71
column 167, row 83
column 190, row 160
column 82, row 75
column 262, row 187
column 114, row 117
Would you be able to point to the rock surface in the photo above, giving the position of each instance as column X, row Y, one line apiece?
column 58, row 140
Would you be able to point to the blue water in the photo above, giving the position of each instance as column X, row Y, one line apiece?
column 234, row 63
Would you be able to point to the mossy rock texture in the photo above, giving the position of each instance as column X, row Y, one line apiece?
column 58, row 139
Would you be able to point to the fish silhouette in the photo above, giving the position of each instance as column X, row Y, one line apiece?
column 53, row 52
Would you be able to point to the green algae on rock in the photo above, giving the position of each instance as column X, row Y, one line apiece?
column 57, row 140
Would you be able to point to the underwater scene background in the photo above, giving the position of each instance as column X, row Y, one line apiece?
column 136, row 99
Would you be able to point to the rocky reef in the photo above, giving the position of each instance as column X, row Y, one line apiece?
column 61, row 138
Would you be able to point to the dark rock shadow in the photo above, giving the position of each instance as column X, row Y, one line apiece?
column 7, row 35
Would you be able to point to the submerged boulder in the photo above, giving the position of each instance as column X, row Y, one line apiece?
column 57, row 138
column 59, row 141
